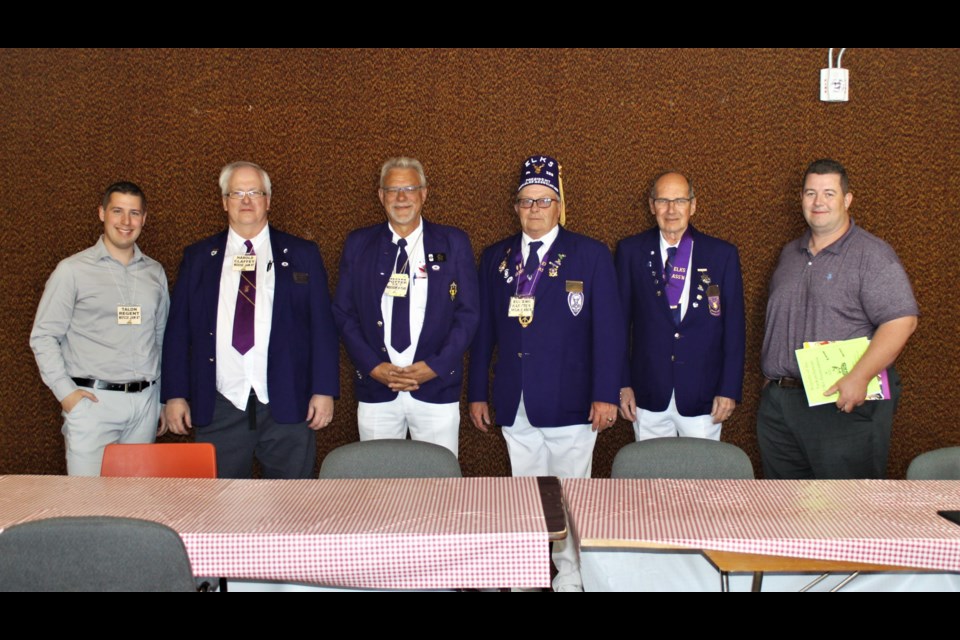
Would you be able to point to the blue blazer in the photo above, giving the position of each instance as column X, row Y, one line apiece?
column 570, row 355
column 303, row 356
column 701, row 358
column 450, row 321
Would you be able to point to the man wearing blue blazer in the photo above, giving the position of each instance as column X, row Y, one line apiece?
column 407, row 307
column 550, row 306
column 682, row 295
column 250, row 356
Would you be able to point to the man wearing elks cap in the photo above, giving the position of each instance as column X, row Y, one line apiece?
column 549, row 305
column 682, row 296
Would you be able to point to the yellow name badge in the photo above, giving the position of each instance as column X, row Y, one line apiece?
column 128, row 314
column 520, row 307
column 397, row 285
column 245, row 262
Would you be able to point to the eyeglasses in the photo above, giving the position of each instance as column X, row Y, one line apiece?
column 393, row 191
column 542, row 203
column 240, row 195
column 664, row 203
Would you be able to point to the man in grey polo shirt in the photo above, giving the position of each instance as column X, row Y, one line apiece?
column 98, row 332
column 837, row 282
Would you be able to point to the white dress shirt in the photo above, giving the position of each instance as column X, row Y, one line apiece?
column 547, row 239
column 418, row 297
column 237, row 373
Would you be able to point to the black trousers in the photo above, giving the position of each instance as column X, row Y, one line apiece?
column 798, row 441
column 285, row 451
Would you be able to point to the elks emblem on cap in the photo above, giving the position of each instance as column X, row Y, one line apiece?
column 538, row 168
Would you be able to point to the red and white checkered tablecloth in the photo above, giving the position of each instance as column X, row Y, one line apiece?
column 379, row 534
column 884, row 522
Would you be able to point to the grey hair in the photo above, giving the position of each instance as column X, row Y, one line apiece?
column 227, row 172
column 402, row 162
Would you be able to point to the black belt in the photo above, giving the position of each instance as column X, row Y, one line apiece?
column 788, row 383
column 126, row 387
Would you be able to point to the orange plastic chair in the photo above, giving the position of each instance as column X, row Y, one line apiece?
column 168, row 460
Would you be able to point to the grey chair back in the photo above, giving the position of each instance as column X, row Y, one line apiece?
column 390, row 459
column 939, row 464
column 691, row 458
column 95, row 553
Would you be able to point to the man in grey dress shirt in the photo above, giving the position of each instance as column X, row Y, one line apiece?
column 836, row 282
column 98, row 332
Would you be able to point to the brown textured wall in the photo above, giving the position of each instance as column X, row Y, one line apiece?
column 743, row 123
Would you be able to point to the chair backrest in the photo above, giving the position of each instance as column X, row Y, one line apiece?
column 692, row 458
column 96, row 553
column 939, row 464
column 169, row 460
column 390, row 459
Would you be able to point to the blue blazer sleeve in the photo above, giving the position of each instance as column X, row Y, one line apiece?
column 734, row 331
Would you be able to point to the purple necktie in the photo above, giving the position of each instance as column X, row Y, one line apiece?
column 246, row 306
column 400, row 318
column 667, row 272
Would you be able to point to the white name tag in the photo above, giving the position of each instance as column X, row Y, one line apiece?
column 397, row 285
column 128, row 314
column 520, row 307
column 245, row 262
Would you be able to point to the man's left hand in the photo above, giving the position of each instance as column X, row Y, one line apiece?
column 418, row 371
column 853, row 392
column 722, row 409
column 603, row 415
column 319, row 412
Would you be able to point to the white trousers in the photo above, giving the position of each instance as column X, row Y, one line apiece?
column 127, row 418
column 564, row 452
column 670, row 424
column 428, row 422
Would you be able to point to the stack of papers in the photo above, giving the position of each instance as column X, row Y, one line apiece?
column 823, row 363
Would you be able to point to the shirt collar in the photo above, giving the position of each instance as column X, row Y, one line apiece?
column 834, row 247
column 236, row 242
column 412, row 238
column 101, row 252
column 547, row 239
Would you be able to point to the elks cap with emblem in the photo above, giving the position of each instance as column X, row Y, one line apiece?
column 540, row 170
column 546, row 171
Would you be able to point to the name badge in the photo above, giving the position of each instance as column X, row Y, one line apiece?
column 397, row 285
column 520, row 307
column 128, row 314
column 245, row 262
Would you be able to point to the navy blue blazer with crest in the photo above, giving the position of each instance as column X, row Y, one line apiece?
column 302, row 357
column 570, row 355
column 449, row 323
column 703, row 356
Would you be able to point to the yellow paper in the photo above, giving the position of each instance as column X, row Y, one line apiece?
column 822, row 364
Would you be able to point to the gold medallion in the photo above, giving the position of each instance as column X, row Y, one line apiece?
column 525, row 321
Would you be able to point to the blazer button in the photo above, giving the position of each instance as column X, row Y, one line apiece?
column 673, row 358
column 211, row 359
column 676, row 335
column 379, row 323
column 384, row 349
column 453, row 372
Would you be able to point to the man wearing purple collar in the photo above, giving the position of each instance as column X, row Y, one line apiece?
column 550, row 307
column 682, row 294
column 837, row 282
column 250, row 356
